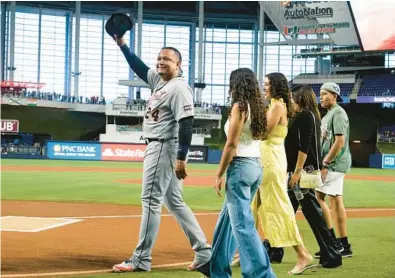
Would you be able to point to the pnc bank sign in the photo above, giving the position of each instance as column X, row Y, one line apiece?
column 298, row 10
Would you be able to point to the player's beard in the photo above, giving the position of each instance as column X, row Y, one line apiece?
column 163, row 74
column 166, row 75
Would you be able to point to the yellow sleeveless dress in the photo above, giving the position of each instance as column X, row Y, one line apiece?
column 271, row 203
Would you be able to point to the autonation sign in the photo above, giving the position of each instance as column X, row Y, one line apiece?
column 73, row 150
column 298, row 10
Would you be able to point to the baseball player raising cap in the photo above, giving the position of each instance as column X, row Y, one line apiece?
column 167, row 128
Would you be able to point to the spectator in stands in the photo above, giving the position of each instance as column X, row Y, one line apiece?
column 128, row 104
column 16, row 141
column 335, row 130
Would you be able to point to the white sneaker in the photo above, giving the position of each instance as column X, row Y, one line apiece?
column 125, row 266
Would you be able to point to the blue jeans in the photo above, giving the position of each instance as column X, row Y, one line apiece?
column 235, row 225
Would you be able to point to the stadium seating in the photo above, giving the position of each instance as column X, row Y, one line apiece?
column 345, row 88
column 378, row 85
column 345, row 81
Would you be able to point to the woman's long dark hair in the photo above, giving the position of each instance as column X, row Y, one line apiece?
column 243, row 89
column 304, row 96
column 280, row 89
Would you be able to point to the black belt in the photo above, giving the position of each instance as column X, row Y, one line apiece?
column 149, row 140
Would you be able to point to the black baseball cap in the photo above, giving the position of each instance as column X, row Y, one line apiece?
column 119, row 23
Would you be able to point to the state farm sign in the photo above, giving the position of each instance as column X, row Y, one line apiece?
column 122, row 152
column 10, row 126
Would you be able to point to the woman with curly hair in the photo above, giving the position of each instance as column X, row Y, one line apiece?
column 272, row 204
column 246, row 125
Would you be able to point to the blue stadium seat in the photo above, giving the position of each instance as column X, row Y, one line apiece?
column 377, row 84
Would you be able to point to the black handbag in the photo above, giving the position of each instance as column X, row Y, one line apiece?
column 119, row 23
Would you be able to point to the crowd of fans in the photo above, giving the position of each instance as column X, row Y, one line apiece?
column 387, row 135
column 53, row 97
column 208, row 108
column 20, row 146
column 136, row 104
column 141, row 105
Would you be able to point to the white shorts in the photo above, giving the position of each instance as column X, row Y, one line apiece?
column 333, row 184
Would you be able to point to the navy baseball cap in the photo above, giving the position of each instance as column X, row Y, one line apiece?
column 119, row 23
column 333, row 88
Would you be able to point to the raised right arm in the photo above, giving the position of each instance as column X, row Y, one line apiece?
column 135, row 63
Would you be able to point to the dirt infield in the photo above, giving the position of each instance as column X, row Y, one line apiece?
column 106, row 235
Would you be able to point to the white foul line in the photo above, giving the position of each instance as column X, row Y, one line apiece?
column 134, row 216
column 84, row 272
column 67, row 221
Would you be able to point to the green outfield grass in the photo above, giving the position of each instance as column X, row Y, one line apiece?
column 374, row 254
column 102, row 187
column 386, row 148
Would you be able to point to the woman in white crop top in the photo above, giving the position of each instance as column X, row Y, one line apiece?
column 241, row 161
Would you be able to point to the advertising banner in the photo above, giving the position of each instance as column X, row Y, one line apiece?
column 197, row 154
column 297, row 19
column 388, row 161
column 122, row 152
column 376, row 99
column 110, row 151
column 73, row 150
column 10, row 126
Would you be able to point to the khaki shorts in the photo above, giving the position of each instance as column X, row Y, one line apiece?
column 333, row 184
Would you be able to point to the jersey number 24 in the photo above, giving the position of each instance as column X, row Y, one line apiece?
column 154, row 114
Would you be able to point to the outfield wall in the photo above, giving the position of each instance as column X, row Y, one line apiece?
column 99, row 151
column 382, row 161
column 78, row 150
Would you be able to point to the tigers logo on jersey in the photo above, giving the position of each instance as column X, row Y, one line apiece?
column 156, row 95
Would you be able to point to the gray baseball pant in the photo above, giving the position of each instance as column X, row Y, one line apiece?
column 161, row 186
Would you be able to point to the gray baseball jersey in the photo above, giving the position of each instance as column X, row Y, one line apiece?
column 171, row 101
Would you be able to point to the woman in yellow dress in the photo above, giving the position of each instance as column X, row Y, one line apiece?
column 272, row 204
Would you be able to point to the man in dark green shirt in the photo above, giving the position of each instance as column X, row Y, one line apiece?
column 335, row 130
